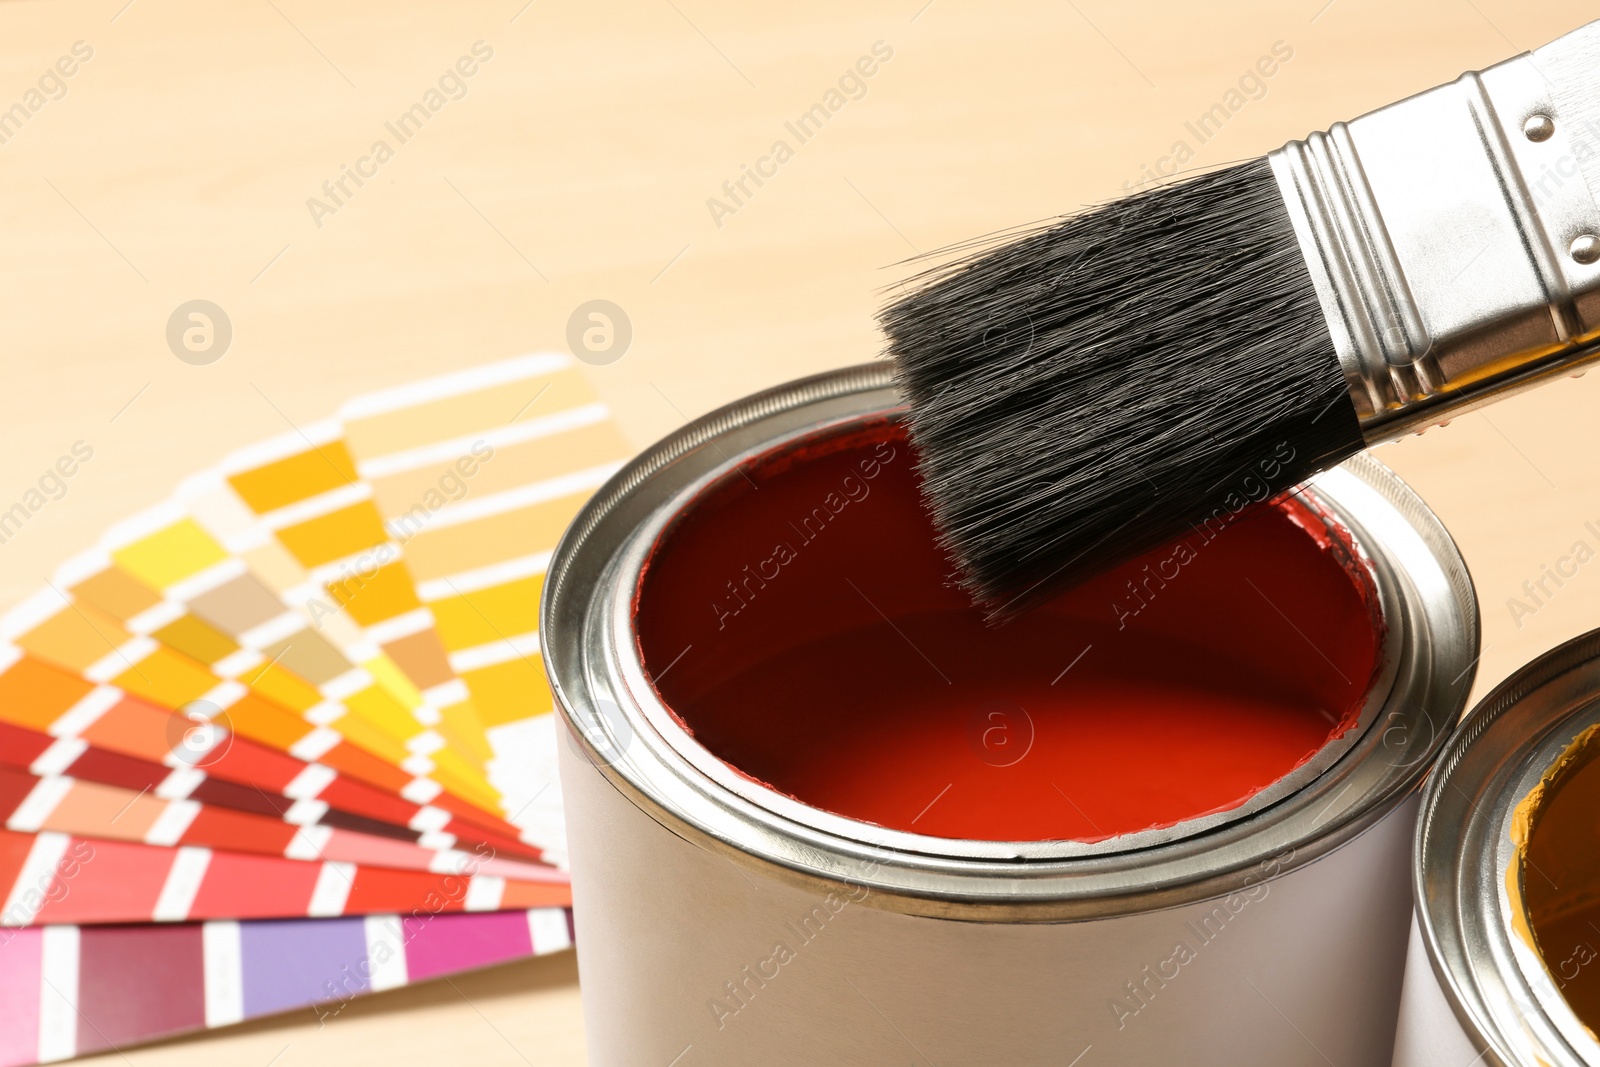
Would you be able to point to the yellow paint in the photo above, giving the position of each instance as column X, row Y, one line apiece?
column 196, row 638
column 335, row 535
column 487, row 615
column 378, row 707
column 117, row 593
column 372, row 738
column 294, row 478
column 74, row 637
column 373, row 595
column 282, row 686
column 171, row 554
column 510, row 691
column 463, row 728
column 1523, row 819
column 388, row 674
column 458, row 724
column 168, row 678
column 464, row 781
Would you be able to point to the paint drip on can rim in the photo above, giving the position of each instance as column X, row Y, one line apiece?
column 797, row 895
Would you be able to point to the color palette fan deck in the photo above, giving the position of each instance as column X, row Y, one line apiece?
column 284, row 738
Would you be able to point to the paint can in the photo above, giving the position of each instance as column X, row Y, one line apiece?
column 1503, row 948
column 721, row 920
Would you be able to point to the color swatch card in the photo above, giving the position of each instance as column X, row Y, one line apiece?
column 70, row 991
column 62, row 878
column 200, row 709
column 218, row 615
column 297, row 798
column 31, row 803
column 478, row 474
column 286, row 738
column 296, row 501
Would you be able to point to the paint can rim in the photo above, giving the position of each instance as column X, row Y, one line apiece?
column 1431, row 621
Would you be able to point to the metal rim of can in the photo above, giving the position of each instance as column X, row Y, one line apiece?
column 1501, row 991
column 1430, row 614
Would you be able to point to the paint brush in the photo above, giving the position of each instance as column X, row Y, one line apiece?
column 1152, row 367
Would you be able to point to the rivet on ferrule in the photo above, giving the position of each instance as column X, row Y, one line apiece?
column 1452, row 237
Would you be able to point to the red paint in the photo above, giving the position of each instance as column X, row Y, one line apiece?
column 105, row 881
column 240, row 831
column 14, row 849
column 844, row 670
column 254, row 764
column 240, row 886
column 221, row 794
column 20, row 747
column 381, row 889
column 113, row 768
column 15, row 786
column 99, row 881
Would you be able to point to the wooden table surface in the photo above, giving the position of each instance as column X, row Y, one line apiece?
column 579, row 161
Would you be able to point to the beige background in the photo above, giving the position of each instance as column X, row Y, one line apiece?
column 578, row 165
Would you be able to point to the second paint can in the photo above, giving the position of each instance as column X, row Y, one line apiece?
column 1504, row 968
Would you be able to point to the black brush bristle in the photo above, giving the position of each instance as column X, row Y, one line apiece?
column 1107, row 384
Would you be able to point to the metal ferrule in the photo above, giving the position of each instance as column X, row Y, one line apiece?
column 1454, row 237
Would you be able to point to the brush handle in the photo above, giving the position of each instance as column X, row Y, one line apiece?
column 1453, row 238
